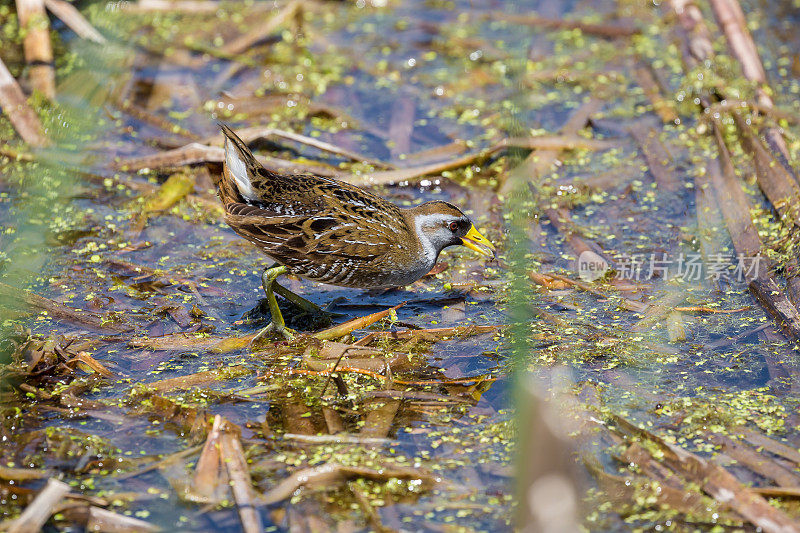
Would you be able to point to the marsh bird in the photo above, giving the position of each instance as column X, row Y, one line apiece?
column 333, row 232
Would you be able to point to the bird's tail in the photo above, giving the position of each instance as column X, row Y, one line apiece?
column 239, row 169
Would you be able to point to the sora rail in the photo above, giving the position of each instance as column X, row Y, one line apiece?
column 332, row 232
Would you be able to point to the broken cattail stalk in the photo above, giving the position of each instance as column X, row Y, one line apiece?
column 207, row 472
column 38, row 49
column 781, row 190
column 15, row 106
column 39, row 510
column 735, row 207
column 252, row 134
column 232, row 456
column 195, row 153
column 357, row 323
column 70, row 16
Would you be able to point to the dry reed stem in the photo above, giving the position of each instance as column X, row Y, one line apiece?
column 232, row 456
column 732, row 21
column 73, row 18
column 36, row 44
column 15, row 106
column 714, row 481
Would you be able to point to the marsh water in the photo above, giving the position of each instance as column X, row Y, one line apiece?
column 407, row 84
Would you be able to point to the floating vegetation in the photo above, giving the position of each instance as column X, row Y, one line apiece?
column 636, row 163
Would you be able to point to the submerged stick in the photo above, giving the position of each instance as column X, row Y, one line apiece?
column 161, row 462
column 626, row 303
column 656, row 156
column 540, row 161
column 22, row 474
column 339, row 438
column 58, row 310
column 331, row 474
column 762, row 441
column 559, row 217
column 39, row 510
column 662, row 107
column 261, row 31
column 609, row 30
column 190, row 6
column 16, row 108
column 109, row 521
column 757, row 462
column 38, row 49
column 694, row 37
column 198, row 378
column 180, row 341
column 630, row 305
column 432, row 334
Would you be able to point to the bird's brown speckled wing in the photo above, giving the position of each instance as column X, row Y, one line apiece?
column 321, row 228
column 323, row 245
column 317, row 216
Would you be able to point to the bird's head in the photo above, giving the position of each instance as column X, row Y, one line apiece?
column 440, row 224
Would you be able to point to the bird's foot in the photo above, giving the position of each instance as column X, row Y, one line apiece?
column 272, row 329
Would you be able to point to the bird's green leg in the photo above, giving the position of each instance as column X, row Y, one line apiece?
column 277, row 325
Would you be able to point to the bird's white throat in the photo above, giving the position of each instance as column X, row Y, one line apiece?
column 430, row 242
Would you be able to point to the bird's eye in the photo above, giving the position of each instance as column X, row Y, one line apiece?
column 453, row 226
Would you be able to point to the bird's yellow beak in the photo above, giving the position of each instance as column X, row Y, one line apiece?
column 475, row 241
